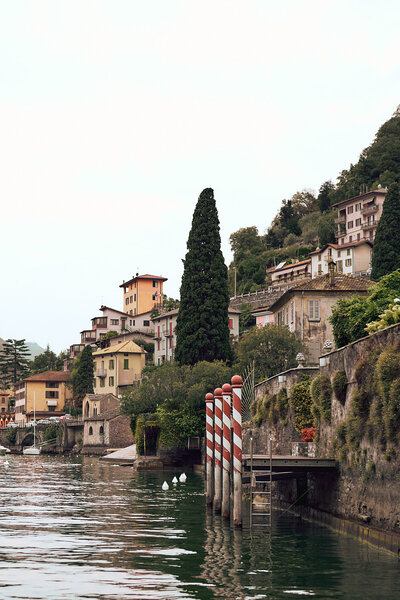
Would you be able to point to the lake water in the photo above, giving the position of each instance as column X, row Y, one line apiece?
column 76, row 528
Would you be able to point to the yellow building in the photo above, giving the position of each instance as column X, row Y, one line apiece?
column 142, row 293
column 44, row 393
column 118, row 367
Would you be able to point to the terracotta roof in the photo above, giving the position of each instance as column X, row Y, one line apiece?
column 147, row 312
column 342, row 246
column 380, row 191
column 264, row 309
column 100, row 396
column 50, row 376
column 292, row 265
column 147, row 276
column 128, row 347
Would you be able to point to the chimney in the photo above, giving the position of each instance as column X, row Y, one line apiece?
column 331, row 271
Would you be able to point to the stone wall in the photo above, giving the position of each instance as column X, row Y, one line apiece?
column 371, row 498
column 260, row 298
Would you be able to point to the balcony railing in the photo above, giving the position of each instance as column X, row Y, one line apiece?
column 101, row 373
column 340, row 219
column 340, row 232
column 369, row 209
column 369, row 225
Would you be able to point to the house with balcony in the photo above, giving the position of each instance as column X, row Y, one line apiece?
column 45, row 394
column 305, row 309
column 358, row 217
column 142, row 293
column 291, row 273
column 165, row 336
column 353, row 258
column 118, row 367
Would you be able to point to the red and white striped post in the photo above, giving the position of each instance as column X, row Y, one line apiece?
column 210, row 447
column 237, row 384
column 217, row 449
column 226, row 449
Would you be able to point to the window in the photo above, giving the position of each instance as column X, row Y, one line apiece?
column 126, row 363
column 134, row 297
column 114, row 321
column 358, row 222
column 102, row 382
column 350, row 225
column 146, row 323
column 111, row 364
column 338, row 254
column 131, row 299
column 90, row 430
column 339, row 266
column 126, row 300
column 52, row 384
column 51, row 394
column 230, row 324
column 349, row 210
column 131, row 312
column 358, row 206
column 95, row 411
column 313, row 310
column 111, row 381
column 319, row 269
column 101, row 430
column 319, row 257
column 158, row 345
column 155, row 283
column 350, row 238
column 358, row 237
column 348, row 251
column 94, row 382
column 348, row 262
column 170, row 342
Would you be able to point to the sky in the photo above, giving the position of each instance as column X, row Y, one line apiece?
column 115, row 115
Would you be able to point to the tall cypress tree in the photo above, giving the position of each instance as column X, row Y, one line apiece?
column 82, row 376
column 386, row 256
column 13, row 362
column 202, row 325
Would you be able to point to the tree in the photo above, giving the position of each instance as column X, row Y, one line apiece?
column 325, row 196
column 245, row 240
column 386, row 256
column 13, row 362
column 82, row 376
column 273, row 348
column 47, row 361
column 202, row 323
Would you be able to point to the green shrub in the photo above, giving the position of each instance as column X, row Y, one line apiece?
column 321, row 395
column 301, row 403
column 339, row 386
column 391, row 411
column 146, row 434
column 273, row 408
column 52, row 432
column 11, row 435
column 387, row 370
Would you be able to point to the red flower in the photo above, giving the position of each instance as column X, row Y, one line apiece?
column 308, row 434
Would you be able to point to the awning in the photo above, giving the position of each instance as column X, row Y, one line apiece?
column 51, row 402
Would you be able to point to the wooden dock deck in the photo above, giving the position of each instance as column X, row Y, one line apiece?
column 284, row 467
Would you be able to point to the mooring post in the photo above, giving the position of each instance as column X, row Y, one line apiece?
column 226, row 452
column 237, row 384
column 210, row 447
column 217, row 449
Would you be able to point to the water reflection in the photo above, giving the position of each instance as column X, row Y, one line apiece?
column 78, row 529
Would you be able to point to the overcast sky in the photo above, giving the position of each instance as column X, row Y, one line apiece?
column 116, row 114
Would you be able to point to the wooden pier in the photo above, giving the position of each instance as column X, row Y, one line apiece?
column 283, row 467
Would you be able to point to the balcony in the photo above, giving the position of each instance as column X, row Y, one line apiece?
column 101, row 373
column 168, row 333
column 369, row 209
column 99, row 323
column 369, row 225
column 340, row 220
column 340, row 232
column 88, row 337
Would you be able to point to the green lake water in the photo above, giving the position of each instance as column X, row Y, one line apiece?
column 76, row 528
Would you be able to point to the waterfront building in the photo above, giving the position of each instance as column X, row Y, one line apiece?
column 103, row 425
column 358, row 217
column 118, row 367
column 142, row 293
column 47, row 391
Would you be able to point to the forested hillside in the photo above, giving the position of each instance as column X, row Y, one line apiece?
column 307, row 219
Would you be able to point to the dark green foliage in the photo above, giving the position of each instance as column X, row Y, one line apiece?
column 149, row 347
column 167, row 305
column 386, row 255
column 246, row 319
column 13, row 362
column 339, row 385
column 321, row 395
column 11, row 435
column 273, row 408
column 47, row 361
column 176, row 396
column 350, row 317
column 301, row 403
column 110, row 334
column 325, row 195
column 273, row 348
column 388, row 374
column 82, row 376
column 147, row 434
column 52, row 432
column 202, row 324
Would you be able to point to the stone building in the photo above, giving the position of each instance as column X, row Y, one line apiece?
column 103, row 425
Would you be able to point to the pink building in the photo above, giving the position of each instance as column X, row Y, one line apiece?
column 358, row 217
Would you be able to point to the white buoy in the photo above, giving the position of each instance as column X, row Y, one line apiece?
column 165, row 486
column 174, row 480
column 6, row 463
column 182, row 478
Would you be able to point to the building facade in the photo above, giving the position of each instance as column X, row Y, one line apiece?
column 358, row 217
column 118, row 367
column 353, row 258
column 44, row 394
column 142, row 293
column 103, row 425
column 305, row 309
column 292, row 273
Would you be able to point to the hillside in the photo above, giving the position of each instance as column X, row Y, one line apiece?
column 306, row 219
